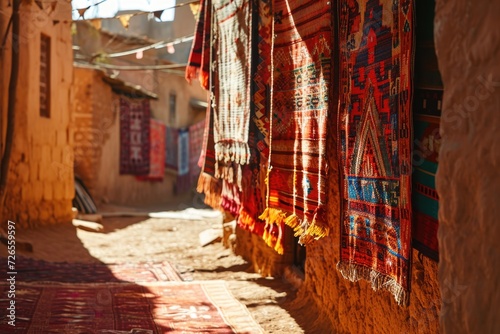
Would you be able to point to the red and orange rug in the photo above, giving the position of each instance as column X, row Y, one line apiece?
column 159, row 307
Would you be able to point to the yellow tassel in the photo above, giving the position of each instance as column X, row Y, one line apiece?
column 264, row 214
column 292, row 221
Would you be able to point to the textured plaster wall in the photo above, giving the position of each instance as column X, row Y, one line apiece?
column 97, row 147
column 40, row 184
column 176, row 84
column 467, row 39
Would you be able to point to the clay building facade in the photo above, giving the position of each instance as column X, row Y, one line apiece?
column 96, row 117
column 40, row 179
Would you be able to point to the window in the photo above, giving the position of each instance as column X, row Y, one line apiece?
column 44, row 76
column 172, row 110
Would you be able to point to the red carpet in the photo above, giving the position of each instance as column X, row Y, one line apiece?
column 161, row 307
column 31, row 270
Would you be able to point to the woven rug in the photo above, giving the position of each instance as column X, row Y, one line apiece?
column 195, row 147
column 301, row 84
column 427, row 112
column 152, row 308
column 32, row 270
column 171, row 152
column 376, row 49
column 231, row 91
column 208, row 185
column 134, row 136
column 254, row 174
column 199, row 57
column 156, row 152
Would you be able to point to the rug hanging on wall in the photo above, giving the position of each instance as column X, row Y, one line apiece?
column 427, row 140
column 231, row 86
column 183, row 182
column 195, row 147
column 134, row 136
column 199, row 57
column 301, row 85
column 156, row 152
column 171, row 148
column 376, row 52
column 146, row 308
column 208, row 184
column 254, row 187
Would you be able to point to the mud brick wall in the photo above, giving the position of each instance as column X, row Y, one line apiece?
column 40, row 184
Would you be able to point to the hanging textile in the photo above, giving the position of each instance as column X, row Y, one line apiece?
column 231, row 91
column 156, row 152
column 427, row 112
column 134, row 136
column 207, row 183
column 171, row 148
column 254, row 187
column 376, row 52
column 199, row 58
column 195, row 148
column 301, row 84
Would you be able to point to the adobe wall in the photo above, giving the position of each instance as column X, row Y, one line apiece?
column 97, row 147
column 351, row 307
column 467, row 43
column 40, row 185
column 186, row 115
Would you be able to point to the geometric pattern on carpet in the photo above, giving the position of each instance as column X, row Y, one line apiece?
column 146, row 308
column 32, row 270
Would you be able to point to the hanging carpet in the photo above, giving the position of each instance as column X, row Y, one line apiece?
column 156, row 152
column 300, row 100
column 134, row 136
column 376, row 53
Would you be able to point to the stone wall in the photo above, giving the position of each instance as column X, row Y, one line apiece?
column 467, row 43
column 40, row 184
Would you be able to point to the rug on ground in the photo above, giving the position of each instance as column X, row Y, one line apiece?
column 33, row 270
column 153, row 308
column 376, row 53
column 300, row 99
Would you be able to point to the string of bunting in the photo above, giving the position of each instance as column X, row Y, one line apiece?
column 125, row 18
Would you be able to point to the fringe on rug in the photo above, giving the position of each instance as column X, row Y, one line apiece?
column 231, row 173
column 273, row 230
column 249, row 223
column 230, row 198
column 354, row 272
column 231, row 151
column 212, row 189
column 309, row 230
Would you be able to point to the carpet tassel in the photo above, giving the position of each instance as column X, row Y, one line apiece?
column 354, row 273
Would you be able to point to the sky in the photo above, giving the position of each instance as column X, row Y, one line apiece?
column 109, row 7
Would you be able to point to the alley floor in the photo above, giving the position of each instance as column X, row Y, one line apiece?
column 272, row 302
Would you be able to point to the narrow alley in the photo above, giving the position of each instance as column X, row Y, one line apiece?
column 249, row 166
column 133, row 247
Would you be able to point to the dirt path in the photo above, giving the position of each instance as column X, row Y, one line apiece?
column 138, row 239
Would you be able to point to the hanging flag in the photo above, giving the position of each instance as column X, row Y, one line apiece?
column 39, row 4
column 81, row 12
column 195, row 9
column 125, row 19
column 158, row 14
column 96, row 23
